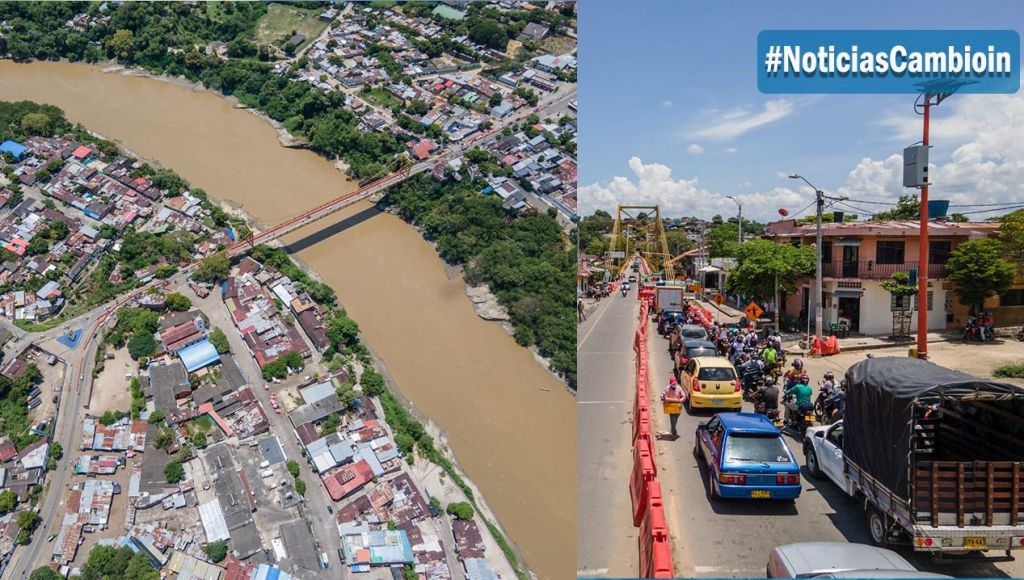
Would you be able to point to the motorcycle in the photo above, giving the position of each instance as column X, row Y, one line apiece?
column 972, row 332
column 751, row 375
column 762, row 409
column 799, row 420
column 1020, row 334
column 624, row 291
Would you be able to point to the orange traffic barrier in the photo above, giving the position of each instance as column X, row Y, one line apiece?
column 639, row 483
column 825, row 347
column 655, row 552
column 642, row 426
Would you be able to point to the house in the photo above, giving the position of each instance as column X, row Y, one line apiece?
column 167, row 384
column 14, row 148
column 422, row 149
column 534, row 31
column 502, row 110
column 858, row 256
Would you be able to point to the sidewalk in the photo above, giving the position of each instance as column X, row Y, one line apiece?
column 857, row 343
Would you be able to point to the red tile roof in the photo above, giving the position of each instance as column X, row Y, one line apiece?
column 81, row 152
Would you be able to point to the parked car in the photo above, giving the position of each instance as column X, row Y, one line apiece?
column 746, row 457
column 712, row 383
column 839, row 560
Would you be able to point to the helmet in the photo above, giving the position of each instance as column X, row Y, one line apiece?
column 829, row 375
column 804, row 378
column 672, row 381
column 798, row 364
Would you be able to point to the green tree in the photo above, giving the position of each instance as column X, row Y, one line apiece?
column 164, row 439
column 56, row 451
column 8, row 501
column 174, row 472
column 722, row 239
column 120, row 44
column 216, row 551
column 461, row 510
column 142, row 345
column 213, row 268
column 372, row 382
column 908, row 207
column 342, row 331
column 293, row 467
column 1011, row 234
column 178, row 302
column 978, row 271
column 199, row 439
column 758, row 262
column 898, row 285
column 27, row 519
column 156, row 417
column 300, row 486
column 37, row 124
column 44, row 573
column 220, row 341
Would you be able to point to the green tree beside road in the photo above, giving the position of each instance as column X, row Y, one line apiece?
column 759, row 262
column 978, row 271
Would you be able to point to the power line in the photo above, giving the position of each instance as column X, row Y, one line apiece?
column 803, row 210
column 888, row 203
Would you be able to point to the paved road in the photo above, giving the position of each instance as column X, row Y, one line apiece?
column 606, row 539
column 733, row 537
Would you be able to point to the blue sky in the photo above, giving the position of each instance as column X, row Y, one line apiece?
column 670, row 112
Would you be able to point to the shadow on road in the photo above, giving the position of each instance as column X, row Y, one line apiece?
column 335, row 228
column 745, row 507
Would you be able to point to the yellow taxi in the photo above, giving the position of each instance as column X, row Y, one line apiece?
column 711, row 382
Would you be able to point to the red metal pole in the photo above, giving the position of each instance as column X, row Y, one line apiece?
column 922, row 262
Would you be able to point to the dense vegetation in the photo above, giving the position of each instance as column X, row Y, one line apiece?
column 525, row 260
column 108, row 563
column 13, row 409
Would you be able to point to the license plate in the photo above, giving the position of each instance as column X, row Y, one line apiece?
column 976, row 543
column 760, row 493
column 717, row 402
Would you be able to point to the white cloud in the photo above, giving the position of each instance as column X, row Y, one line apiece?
column 977, row 155
column 666, row 103
column 726, row 125
column 730, row 150
column 652, row 183
column 695, row 148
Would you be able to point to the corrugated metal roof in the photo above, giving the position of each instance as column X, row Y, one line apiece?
column 198, row 355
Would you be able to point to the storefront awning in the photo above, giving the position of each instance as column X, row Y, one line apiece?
column 847, row 293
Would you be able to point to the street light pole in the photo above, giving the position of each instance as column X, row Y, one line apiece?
column 922, row 256
column 820, row 205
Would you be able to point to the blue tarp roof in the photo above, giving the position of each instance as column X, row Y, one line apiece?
column 14, row 148
column 198, row 355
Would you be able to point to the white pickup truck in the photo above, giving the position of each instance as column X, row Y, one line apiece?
column 932, row 454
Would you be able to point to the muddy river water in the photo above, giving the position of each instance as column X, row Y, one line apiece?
column 511, row 425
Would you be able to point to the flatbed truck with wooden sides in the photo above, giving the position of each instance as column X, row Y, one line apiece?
column 934, row 456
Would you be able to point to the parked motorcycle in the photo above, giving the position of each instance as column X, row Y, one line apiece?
column 1020, row 334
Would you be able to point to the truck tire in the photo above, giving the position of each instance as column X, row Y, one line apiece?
column 812, row 461
column 877, row 526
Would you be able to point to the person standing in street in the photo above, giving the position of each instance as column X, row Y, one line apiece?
column 673, row 393
column 580, row 315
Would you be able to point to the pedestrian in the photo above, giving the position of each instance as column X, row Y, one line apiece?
column 580, row 315
column 672, row 400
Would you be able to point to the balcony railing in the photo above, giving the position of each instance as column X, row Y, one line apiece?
column 871, row 270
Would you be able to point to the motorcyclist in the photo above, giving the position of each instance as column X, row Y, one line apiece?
column 828, row 384
column 835, row 404
column 767, row 398
column 793, row 374
column 801, row 392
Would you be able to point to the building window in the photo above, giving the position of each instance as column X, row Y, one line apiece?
column 826, row 252
column 1012, row 298
column 938, row 252
column 930, row 296
column 889, row 252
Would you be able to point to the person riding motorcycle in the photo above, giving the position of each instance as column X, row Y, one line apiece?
column 766, row 399
column 835, row 404
column 829, row 383
column 793, row 374
column 802, row 393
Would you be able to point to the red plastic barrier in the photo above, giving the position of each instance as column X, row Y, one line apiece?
column 825, row 347
column 639, row 483
column 655, row 552
column 642, row 426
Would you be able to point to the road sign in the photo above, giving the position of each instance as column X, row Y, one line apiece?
column 719, row 299
column 753, row 311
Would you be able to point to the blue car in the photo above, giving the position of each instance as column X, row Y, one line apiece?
column 746, row 457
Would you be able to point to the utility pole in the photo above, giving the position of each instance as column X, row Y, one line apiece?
column 739, row 218
column 819, row 197
column 777, row 302
column 922, row 256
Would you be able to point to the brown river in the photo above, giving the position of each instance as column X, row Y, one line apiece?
column 511, row 425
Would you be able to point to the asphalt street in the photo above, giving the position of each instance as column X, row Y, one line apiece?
column 606, row 541
column 732, row 538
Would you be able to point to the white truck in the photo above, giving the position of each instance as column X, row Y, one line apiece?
column 934, row 455
column 668, row 298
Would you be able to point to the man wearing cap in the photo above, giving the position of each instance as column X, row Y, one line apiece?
column 673, row 393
